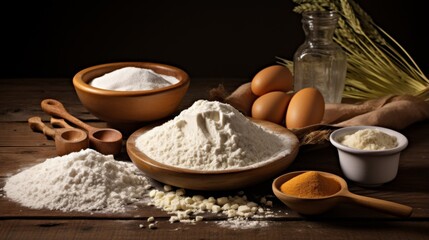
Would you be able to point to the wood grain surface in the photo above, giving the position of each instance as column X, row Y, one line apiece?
column 21, row 148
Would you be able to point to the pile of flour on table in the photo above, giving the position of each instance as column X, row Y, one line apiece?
column 80, row 181
column 90, row 181
column 133, row 79
column 212, row 136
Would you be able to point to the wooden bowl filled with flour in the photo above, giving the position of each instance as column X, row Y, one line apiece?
column 212, row 146
column 126, row 94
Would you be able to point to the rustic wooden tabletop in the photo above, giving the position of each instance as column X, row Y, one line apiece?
column 21, row 148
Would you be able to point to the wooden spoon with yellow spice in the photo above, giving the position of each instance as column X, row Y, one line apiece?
column 314, row 192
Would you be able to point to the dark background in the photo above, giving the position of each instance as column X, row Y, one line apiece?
column 205, row 38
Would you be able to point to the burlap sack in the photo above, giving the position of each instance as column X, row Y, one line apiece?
column 393, row 111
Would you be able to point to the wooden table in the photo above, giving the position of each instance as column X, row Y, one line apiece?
column 21, row 148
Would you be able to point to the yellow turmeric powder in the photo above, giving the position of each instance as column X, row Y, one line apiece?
column 310, row 185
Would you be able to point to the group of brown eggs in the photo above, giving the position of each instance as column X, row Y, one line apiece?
column 278, row 103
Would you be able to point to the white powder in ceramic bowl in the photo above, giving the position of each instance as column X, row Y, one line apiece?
column 133, row 79
column 369, row 139
column 212, row 136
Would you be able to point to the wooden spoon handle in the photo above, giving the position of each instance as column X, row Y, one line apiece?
column 60, row 123
column 388, row 207
column 37, row 125
column 57, row 109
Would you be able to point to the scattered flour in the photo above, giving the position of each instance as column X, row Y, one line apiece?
column 369, row 139
column 188, row 209
column 89, row 181
column 133, row 79
column 80, row 181
column 212, row 136
column 240, row 223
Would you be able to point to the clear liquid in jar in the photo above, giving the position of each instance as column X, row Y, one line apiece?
column 324, row 73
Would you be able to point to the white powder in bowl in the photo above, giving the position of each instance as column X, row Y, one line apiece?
column 133, row 79
column 369, row 139
column 80, row 181
column 212, row 136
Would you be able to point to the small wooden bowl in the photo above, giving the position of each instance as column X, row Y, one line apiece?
column 313, row 206
column 307, row 206
column 126, row 109
column 211, row 180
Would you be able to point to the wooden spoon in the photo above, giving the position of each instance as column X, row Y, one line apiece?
column 104, row 140
column 311, row 206
column 59, row 122
column 67, row 140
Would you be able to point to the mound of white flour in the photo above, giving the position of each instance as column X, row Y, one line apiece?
column 212, row 136
column 80, row 181
column 133, row 79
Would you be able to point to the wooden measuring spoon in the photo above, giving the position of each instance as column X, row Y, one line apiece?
column 67, row 140
column 311, row 206
column 59, row 122
column 104, row 140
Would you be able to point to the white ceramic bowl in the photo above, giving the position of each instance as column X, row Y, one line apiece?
column 368, row 167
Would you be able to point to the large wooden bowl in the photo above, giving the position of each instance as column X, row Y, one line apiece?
column 212, row 180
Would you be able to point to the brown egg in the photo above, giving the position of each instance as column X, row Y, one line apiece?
column 271, row 106
column 306, row 108
column 272, row 78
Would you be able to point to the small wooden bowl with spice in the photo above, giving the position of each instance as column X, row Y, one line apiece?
column 315, row 192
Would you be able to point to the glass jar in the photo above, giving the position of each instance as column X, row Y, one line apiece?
column 319, row 62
